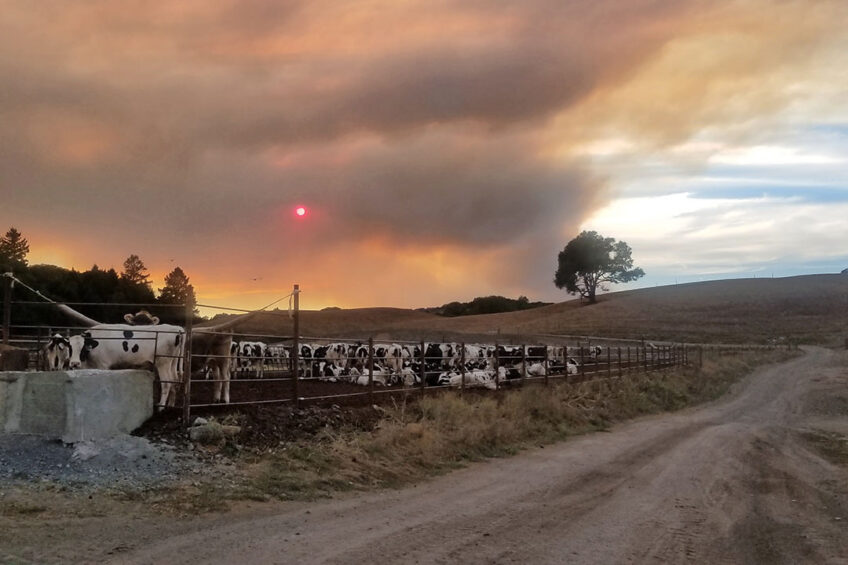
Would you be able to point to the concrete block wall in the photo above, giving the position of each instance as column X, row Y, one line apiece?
column 75, row 405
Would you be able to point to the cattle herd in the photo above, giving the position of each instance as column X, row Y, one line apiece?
column 388, row 364
column 113, row 346
column 142, row 342
column 145, row 343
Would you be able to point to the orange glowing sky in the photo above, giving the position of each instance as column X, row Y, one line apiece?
column 442, row 150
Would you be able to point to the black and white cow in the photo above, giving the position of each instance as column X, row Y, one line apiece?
column 122, row 346
column 380, row 376
column 397, row 357
column 251, row 358
column 57, row 353
column 277, row 356
column 476, row 357
column 337, row 354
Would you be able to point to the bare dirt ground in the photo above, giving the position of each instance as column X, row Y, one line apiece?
column 758, row 477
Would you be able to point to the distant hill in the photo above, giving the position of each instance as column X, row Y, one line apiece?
column 805, row 309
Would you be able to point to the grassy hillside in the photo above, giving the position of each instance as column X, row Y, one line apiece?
column 805, row 309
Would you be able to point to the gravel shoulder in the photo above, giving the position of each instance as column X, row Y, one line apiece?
column 753, row 478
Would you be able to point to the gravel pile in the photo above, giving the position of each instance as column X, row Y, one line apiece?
column 121, row 462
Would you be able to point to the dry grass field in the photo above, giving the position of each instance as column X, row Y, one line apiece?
column 805, row 309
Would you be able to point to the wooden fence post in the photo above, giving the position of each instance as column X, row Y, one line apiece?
column 546, row 365
column 609, row 363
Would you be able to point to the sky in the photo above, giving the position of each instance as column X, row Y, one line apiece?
column 442, row 150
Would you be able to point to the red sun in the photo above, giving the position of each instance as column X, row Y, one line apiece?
column 300, row 211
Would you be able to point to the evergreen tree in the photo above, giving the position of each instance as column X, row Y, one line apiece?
column 177, row 289
column 135, row 271
column 13, row 250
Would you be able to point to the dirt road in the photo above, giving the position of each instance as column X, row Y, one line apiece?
column 737, row 481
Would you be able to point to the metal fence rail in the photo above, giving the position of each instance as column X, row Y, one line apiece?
column 244, row 369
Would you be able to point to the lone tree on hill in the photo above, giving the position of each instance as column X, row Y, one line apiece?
column 590, row 260
column 13, row 250
column 135, row 271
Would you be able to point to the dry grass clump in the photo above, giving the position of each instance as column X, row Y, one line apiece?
column 441, row 432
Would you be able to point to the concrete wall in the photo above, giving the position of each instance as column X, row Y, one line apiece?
column 75, row 405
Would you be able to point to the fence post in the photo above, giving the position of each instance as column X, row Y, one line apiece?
column 619, row 362
column 189, row 319
column 609, row 363
column 497, row 366
column 423, row 370
column 7, row 306
column 296, row 348
column 371, row 370
column 645, row 359
column 523, row 363
column 582, row 363
column 462, row 368
column 38, row 355
column 546, row 365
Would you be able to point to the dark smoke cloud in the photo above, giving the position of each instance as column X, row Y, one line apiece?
column 161, row 124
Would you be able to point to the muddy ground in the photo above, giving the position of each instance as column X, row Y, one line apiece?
column 760, row 476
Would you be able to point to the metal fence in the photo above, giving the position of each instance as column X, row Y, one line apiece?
column 226, row 368
column 306, row 370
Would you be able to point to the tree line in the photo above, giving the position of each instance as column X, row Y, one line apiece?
column 484, row 305
column 105, row 291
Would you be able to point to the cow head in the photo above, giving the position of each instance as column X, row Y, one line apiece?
column 81, row 347
column 141, row 318
column 57, row 352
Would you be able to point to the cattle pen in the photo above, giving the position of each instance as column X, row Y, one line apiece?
column 217, row 366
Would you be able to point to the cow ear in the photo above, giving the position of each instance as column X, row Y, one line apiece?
column 91, row 343
column 128, row 318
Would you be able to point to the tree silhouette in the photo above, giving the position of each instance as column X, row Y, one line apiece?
column 135, row 271
column 590, row 260
column 177, row 289
column 13, row 250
